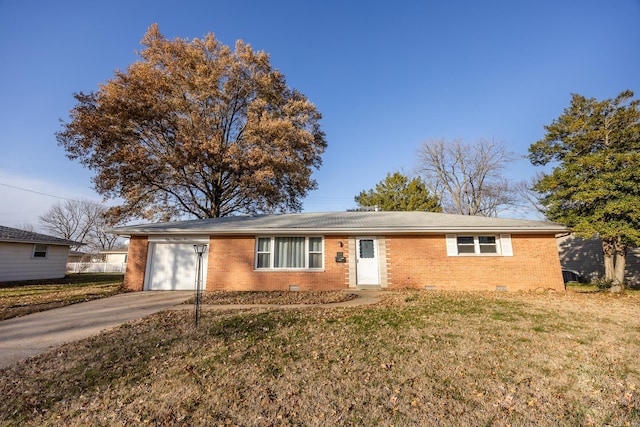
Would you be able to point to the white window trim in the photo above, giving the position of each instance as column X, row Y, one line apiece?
column 272, row 255
column 503, row 245
column 178, row 239
column 46, row 251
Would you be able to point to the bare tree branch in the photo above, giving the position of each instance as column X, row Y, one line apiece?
column 467, row 178
column 81, row 221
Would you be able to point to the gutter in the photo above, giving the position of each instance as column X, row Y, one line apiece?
column 350, row 231
column 44, row 242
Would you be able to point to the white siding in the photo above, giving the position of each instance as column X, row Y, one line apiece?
column 115, row 258
column 17, row 263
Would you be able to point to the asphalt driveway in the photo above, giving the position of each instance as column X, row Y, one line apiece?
column 27, row 336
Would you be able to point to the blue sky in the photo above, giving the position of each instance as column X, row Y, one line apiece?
column 386, row 76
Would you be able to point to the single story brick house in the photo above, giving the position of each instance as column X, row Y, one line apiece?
column 25, row 255
column 346, row 250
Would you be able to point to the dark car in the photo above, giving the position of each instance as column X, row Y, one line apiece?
column 571, row 276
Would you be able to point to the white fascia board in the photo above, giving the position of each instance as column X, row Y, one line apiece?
column 39, row 242
column 185, row 234
column 178, row 238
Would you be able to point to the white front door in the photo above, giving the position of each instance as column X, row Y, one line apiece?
column 173, row 267
column 367, row 268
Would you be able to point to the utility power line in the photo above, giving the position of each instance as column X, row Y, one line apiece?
column 35, row 192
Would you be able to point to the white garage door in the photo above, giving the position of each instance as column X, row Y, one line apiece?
column 173, row 267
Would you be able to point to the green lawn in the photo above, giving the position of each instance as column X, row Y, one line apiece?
column 416, row 358
column 20, row 298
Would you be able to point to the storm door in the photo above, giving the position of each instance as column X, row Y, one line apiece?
column 367, row 265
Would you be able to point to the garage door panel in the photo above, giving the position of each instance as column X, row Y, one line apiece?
column 173, row 267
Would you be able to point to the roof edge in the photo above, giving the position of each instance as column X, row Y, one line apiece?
column 353, row 231
column 44, row 242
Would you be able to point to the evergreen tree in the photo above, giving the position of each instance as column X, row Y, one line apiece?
column 397, row 193
column 594, row 188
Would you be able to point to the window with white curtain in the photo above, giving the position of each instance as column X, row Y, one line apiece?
column 289, row 252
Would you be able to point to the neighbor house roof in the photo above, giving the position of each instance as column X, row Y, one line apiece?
column 346, row 222
column 78, row 253
column 8, row 234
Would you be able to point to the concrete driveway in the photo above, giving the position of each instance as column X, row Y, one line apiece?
column 27, row 336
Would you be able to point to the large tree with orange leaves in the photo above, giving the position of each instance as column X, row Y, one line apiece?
column 196, row 129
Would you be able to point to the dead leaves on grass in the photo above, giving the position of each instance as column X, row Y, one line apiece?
column 18, row 301
column 275, row 297
column 432, row 358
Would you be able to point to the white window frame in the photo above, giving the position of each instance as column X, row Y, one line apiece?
column 473, row 245
column 309, row 252
column 271, row 252
column 268, row 252
column 503, row 244
column 37, row 246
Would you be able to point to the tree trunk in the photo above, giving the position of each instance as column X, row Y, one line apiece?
column 620, row 264
column 608, row 252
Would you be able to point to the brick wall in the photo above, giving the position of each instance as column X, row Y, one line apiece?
column 136, row 263
column 420, row 261
column 230, row 266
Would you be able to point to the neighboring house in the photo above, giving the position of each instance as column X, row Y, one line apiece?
column 115, row 256
column 114, row 261
column 346, row 250
column 28, row 256
column 584, row 257
column 77, row 256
